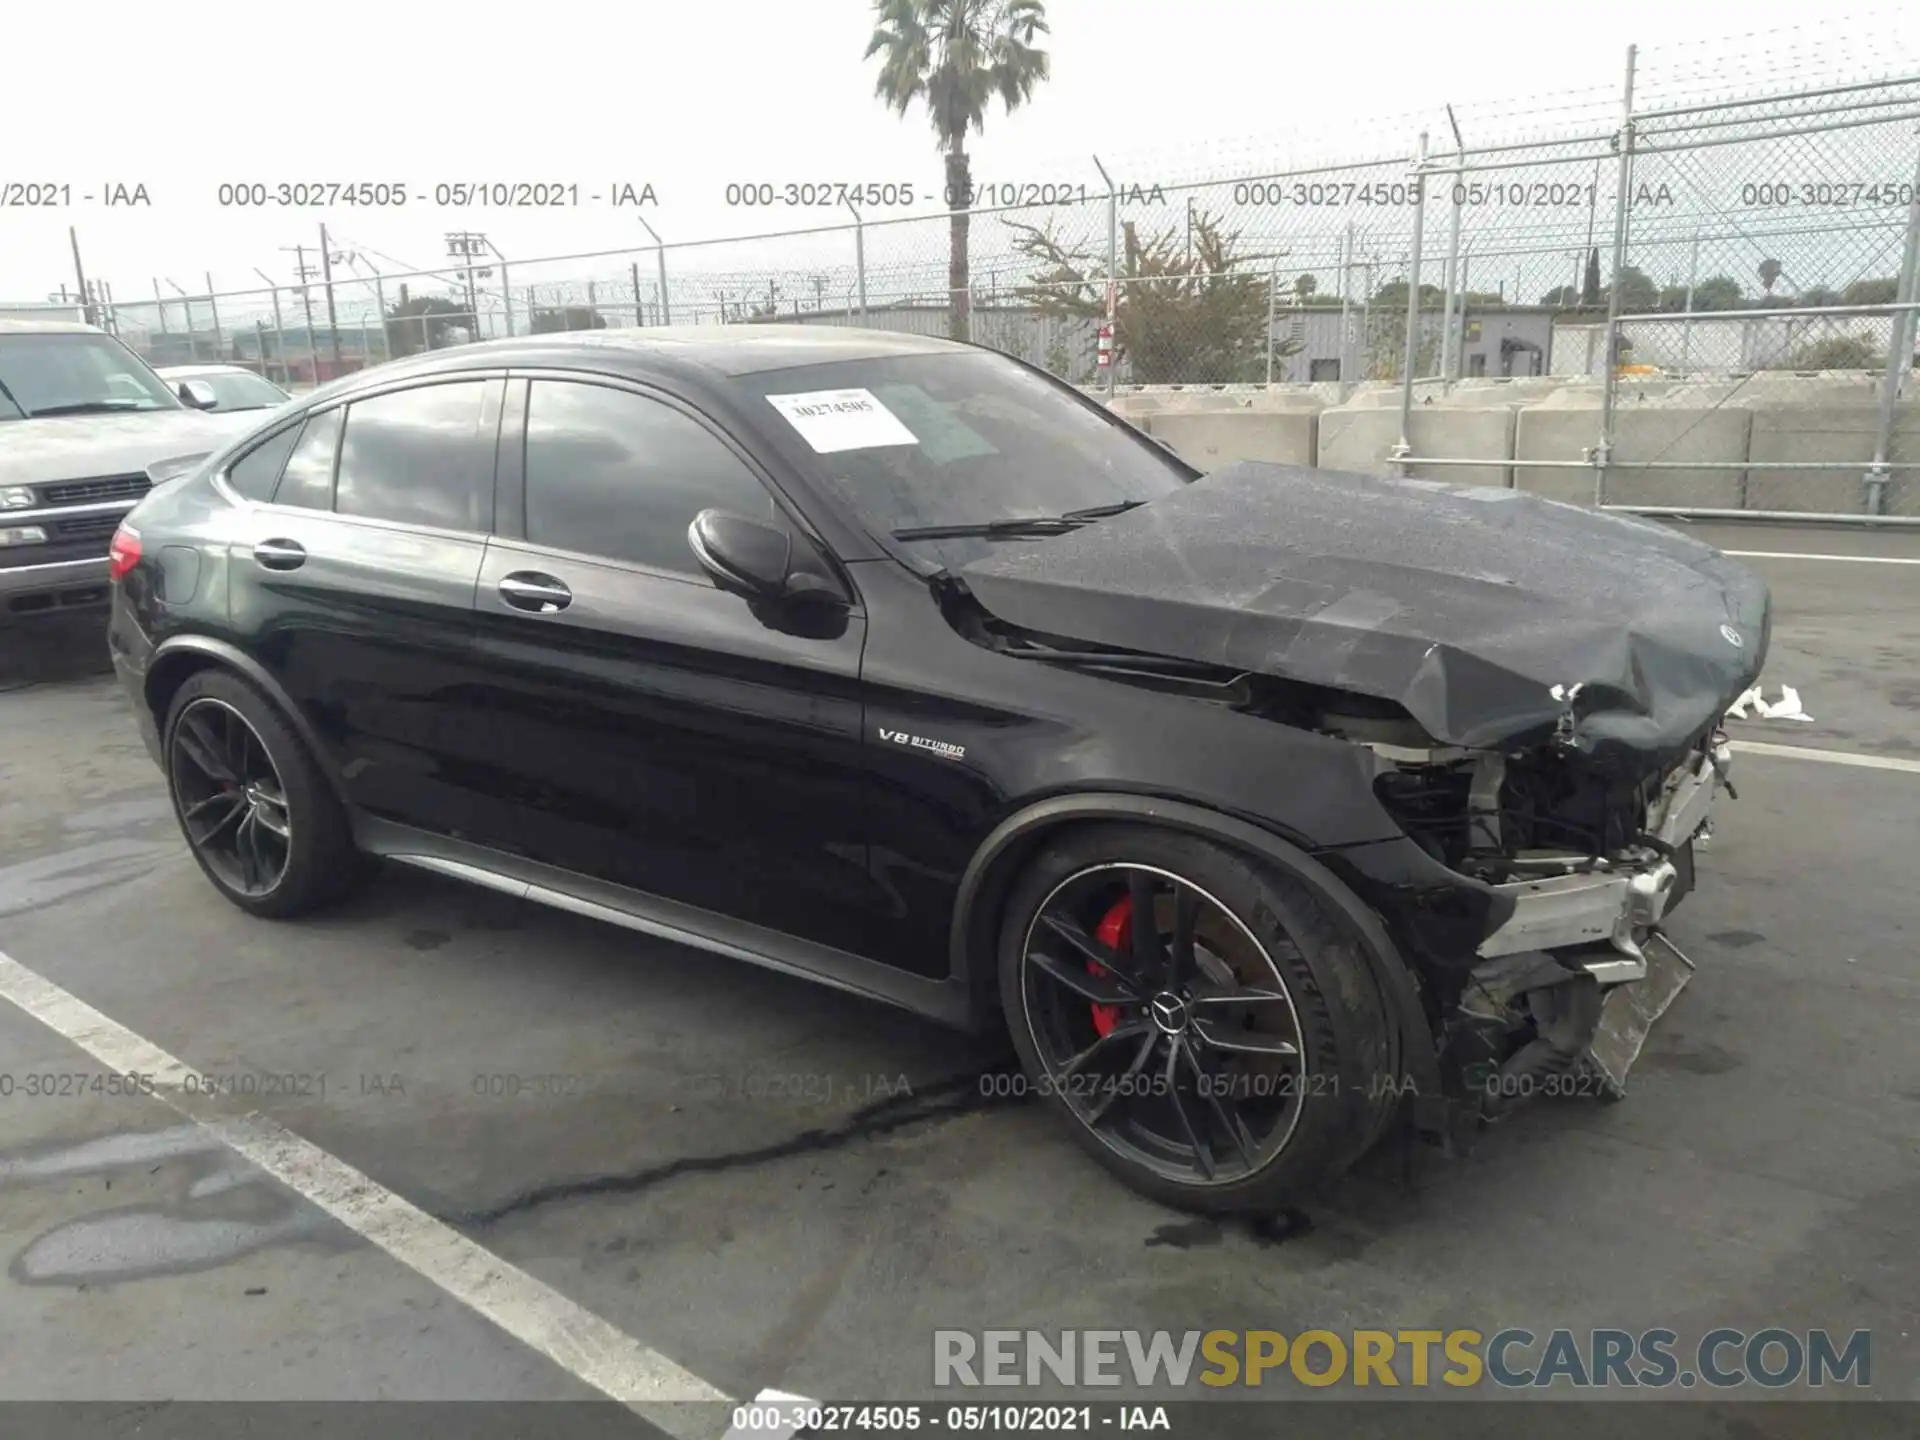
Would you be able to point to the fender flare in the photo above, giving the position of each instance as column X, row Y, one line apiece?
column 228, row 656
column 987, row 878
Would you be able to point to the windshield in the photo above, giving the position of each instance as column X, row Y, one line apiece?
column 239, row 390
column 75, row 374
column 915, row 441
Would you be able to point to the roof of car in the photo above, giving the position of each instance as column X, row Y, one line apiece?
column 743, row 349
column 717, row 349
column 48, row 327
column 695, row 356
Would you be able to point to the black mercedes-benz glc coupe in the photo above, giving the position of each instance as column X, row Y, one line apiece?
column 1266, row 809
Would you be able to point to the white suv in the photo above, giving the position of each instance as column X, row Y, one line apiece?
column 82, row 419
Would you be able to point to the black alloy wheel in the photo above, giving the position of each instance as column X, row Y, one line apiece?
column 1209, row 1026
column 232, row 801
column 259, row 815
column 1163, row 1023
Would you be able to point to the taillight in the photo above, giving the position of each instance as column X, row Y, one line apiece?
column 124, row 553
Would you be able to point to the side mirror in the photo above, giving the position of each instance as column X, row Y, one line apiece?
column 198, row 394
column 759, row 561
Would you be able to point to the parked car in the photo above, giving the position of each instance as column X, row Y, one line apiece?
column 1265, row 810
column 82, row 418
column 222, row 387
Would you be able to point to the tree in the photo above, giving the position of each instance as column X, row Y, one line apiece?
column 1303, row 288
column 566, row 317
column 1179, row 317
column 1590, row 285
column 1871, row 292
column 424, row 322
column 1393, row 295
column 1716, row 292
column 1059, row 361
column 1567, row 297
column 1637, row 291
column 1837, row 352
column 1820, row 295
column 956, row 56
column 1770, row 271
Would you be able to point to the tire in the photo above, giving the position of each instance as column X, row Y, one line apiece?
column 1341, row 1087
column 320, row 864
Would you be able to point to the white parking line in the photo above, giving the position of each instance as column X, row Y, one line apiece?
column 540, row 1317
column 1829, row 757
column 1847, row 559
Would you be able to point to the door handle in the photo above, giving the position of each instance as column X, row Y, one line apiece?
column 532, row 591
column 280, row 554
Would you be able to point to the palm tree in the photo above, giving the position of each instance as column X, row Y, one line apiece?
column 957, row 55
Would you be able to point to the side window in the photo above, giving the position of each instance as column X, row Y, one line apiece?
column 255, row 473
column 308, row 478
column 616, row 474
column 419, row 457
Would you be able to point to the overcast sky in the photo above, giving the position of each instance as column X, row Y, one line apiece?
column 690, row 98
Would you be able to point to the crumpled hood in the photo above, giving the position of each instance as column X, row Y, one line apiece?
column 82, row 447
column 1466, row 605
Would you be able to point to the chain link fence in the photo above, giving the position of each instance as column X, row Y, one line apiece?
column 1663, row 269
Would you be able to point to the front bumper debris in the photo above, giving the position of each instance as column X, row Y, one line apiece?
column 1615, row 905
column 1584, row 953
column 1629, row 1013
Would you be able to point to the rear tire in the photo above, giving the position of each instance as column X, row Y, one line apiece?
column 1269, row 966
column 257, row 812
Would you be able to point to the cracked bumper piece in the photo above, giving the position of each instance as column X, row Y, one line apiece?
column 1605, row 924
column 1616, row 906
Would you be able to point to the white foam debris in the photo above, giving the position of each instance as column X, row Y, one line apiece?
column 1787, row 707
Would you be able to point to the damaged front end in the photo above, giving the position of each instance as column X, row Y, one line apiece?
column 1541, row 687
column 1529, row 893
column 1585, row 865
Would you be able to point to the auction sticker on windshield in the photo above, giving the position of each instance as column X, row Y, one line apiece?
column 835, row 420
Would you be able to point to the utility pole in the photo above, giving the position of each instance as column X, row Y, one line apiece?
column 333, row 320
column 303, row 273
column 279, row 330
column 465, row 245
column 86, row 300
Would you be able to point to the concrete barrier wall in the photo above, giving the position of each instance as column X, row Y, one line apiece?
column 1773, row 418
column 1640, row 433
column 1363, row 438
column 1209, row 442
column 1359, row 437
column 1844, row 434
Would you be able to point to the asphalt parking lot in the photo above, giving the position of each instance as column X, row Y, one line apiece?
column 768, row 1184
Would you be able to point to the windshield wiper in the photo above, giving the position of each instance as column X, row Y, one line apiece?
column 93, row 407
column 1015, row 527
column 1100, row 512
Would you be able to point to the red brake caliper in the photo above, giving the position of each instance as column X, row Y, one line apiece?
column 1113, row 931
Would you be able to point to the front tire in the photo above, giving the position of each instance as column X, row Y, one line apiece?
column 256, row 811
column 1246, row 1062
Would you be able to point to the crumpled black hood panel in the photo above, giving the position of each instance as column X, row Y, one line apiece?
column 1465, row 605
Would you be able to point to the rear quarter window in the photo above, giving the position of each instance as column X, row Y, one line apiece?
column 255, row 474
column 307, row 481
